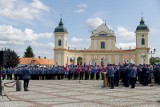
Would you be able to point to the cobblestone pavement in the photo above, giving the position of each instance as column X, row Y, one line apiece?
column 86, row 93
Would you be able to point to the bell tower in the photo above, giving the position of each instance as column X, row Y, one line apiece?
column 60, row 41
column 60, row 36
column 142, row 43
column 142, row 35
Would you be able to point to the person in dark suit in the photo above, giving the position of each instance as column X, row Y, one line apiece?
column 132, row 76
column 111, row 73
column 26, row 77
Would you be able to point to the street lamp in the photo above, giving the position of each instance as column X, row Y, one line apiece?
column 152, row 52
column 94, row 61
column 143, row 57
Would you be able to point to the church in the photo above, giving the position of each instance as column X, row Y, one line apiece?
column 103, row 47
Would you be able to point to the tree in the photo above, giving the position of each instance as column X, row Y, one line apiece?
column 79, row 60
column 154, row 60
column 29, row 52
column 10, row 58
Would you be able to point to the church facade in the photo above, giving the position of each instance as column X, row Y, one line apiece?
column 103, row 47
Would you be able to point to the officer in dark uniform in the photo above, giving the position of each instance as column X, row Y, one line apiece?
column 3, row 73
column 117, row 76
column 97, row 72
column 92, row 73
column 26, row 77
column 133, row 76
column 75, row 73
column 110, row 73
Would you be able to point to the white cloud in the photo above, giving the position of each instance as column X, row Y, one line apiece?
column 79, row 43
column 126, row 45
column 14, row 10
column 7, row 3
column 93, row 23
column 124, row 34
column 9, row 33
column 39, row 5
column 42, row 45
column 18, row 40
column 81, row 8
column 11, row 43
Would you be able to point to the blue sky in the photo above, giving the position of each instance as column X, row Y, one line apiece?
column 32, row 22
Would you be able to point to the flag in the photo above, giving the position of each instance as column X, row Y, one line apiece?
column 66, row 68
column 79, row 69
column 89, row 67
column 84, row 63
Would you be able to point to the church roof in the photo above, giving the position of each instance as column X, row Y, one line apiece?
column 103, row 30
column 60, row 27
column 142, row 26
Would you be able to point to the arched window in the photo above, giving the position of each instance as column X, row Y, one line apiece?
column 143, row 40
column 102, row 45
column 59, row 42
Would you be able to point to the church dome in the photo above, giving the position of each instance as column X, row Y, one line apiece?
column 142, row 26
column 60, row 28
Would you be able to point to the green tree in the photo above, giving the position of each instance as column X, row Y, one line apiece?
column 154, row 60
column 79, row 60
column 11, row 59
column 29, row 52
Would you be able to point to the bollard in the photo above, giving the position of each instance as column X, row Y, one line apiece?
column 1, row 88
column 18, row 85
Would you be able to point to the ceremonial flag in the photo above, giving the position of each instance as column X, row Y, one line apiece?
column 66, row 68
column 84, row 63
column 89, row 67
column 79, row 70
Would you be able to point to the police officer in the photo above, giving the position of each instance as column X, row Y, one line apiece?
column 132, row 76
column 26, row 77
column 110, row 73
column 3, row 73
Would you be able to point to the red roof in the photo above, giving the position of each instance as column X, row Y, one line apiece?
column 36, row 61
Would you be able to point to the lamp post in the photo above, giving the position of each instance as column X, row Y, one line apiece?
column 143, row 58
column 152, row 52
column 94, row 61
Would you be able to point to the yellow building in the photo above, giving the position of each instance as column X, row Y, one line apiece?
column 102, row 47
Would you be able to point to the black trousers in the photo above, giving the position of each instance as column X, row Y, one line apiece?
column 25, row 85
column 132, row 81
column 111, row 82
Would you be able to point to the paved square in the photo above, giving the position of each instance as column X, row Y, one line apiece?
column 86, row 93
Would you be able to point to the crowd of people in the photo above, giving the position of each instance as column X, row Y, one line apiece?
column 126, row 74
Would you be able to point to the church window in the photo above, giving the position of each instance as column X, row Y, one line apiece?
column 102, row 45
column 59, row 42
column 143, row 40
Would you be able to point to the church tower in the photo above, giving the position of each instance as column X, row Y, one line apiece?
column 142, row 43
column 61, row 34
column 142, row 33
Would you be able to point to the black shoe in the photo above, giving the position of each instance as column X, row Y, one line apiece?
column 26, row 90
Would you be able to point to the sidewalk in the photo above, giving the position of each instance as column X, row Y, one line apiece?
column 86, row 93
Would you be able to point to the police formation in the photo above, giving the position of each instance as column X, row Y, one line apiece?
column 128, row 75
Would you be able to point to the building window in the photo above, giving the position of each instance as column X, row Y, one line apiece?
column 102, row 45
column 59, row 42
column 143, row 40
